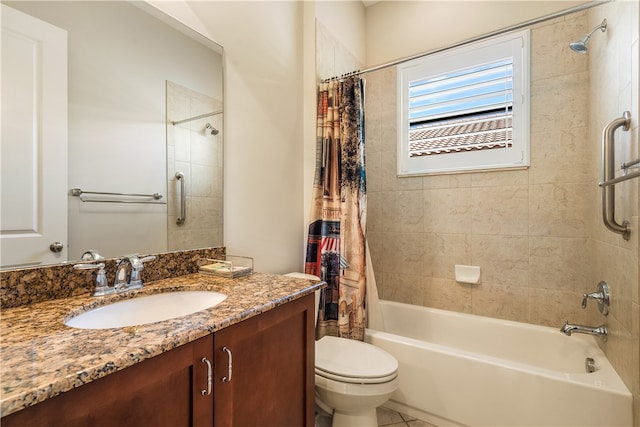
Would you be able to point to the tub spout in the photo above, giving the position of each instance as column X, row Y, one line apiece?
column 569, row 328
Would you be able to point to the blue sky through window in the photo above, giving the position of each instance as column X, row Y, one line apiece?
column 482, row 88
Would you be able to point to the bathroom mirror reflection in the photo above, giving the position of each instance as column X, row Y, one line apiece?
column 131, row 72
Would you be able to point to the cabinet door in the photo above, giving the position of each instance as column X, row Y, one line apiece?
column 165, row 390
column 264, row 369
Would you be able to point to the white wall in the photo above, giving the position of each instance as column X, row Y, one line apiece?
column 398, row 29
column 346, row 21
column 263, row 187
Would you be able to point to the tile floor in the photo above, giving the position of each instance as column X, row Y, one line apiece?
column 386, row 418
column 389, row 418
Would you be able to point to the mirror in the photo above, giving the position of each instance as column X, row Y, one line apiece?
column 144, row 102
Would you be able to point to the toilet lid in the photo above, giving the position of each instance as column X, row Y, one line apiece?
column 353, row 361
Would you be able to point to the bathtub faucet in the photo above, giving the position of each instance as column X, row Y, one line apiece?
column 600, row 331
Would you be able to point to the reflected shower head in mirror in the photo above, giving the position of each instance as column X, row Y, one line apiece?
column 580, row 46
column 210, row 128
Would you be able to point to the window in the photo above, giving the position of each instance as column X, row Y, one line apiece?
column 466, row 108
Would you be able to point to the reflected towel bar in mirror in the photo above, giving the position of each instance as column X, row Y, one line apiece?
column 77, row 192
column 201, row 116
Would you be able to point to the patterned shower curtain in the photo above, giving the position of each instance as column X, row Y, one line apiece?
column 336, row 241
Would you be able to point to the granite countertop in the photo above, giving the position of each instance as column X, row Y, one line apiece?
column 42, row 357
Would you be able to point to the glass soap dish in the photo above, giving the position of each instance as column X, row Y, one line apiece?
column 232, row 266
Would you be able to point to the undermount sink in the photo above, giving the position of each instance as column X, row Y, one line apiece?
column 146, row 309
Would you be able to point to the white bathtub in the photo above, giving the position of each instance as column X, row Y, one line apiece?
column 460, row 369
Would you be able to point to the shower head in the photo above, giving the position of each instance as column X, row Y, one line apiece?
column 580, row 46
column 213, row 130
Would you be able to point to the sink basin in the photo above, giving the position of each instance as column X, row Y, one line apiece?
column 146, row 309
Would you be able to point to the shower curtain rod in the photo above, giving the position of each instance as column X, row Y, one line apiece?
column 515, row 27
column 201, row 116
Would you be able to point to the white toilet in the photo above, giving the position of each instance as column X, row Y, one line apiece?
column 352, row 378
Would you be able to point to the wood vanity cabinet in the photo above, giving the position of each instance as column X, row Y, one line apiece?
column 270, row 381
column 165, row 390
column 264, row 369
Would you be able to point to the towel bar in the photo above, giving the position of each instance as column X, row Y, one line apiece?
column 77, row 192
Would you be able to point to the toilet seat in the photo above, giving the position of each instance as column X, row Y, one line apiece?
column 355, row 362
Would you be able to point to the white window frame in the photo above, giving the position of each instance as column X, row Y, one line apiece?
column 515, row 45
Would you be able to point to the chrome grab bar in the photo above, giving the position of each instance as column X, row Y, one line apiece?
column 608, row 176
column 183, row 200
column 77, row 192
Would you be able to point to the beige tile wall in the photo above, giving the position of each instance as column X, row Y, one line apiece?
column 199, row 155
column 537, row 234
column 613, row 61
column 527, row 229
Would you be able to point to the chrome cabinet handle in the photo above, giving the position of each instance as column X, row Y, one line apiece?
column 228, row 377
column 183, row 199
column 209, row 377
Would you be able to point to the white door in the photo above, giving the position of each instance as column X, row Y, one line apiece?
column 33, row 141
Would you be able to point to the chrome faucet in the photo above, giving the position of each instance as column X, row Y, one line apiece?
column 102, row 286
column 91, row 255
column 137, row 265
column 123, row 272
column 128, row 272
column 600, row 331
column 127, row 275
